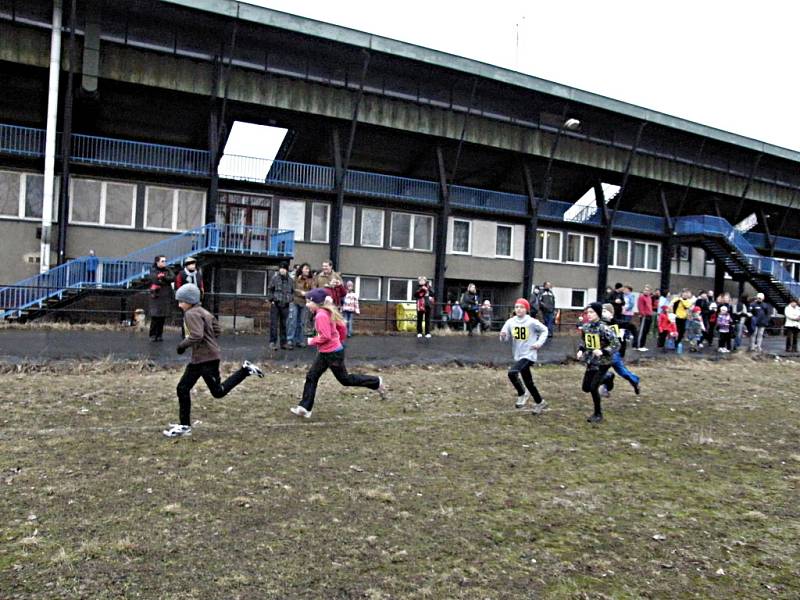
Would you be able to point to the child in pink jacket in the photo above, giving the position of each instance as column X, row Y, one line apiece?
column 331, row 330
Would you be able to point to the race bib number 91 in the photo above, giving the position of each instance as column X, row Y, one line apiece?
column 520, row 333
column 591, row 341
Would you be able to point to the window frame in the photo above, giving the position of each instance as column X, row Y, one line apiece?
column 615, row 245
column 412, row 227
column 383, row 228
column 409, row 283
column 572, row 291
column 356, row 279
column 352, row 240
column 23, row 189
column 453, row 250
column 174, row 191
column 510, row 240
column 103, row 203
column 647, row 249
column 327, row 224
column 583, row 237
column 547, row 233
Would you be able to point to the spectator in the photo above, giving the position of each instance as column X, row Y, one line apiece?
column 741, row 315
column 280, row 293
column 617, row 300
column 298, row 314
column 666, row 327
column 456, row 316
column 469, row 303
column 424, row 297
column 704, row 303
column 629, row 304
column 547, row 306
column 92, row 263
column 761, row 311
column 161, row 296
column 791, row 325
column 695, row 329
column 644, row 304
column 189, row 274
column 723, row 324
column 681, row 307
column 534, row 300
column 485, row 314
column 350, row 307
column 332, row 281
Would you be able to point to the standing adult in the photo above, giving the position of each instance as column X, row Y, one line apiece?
column 470, row 302
column 190, row 273
column 741, row 315
column 280, row 292
column 92, row 262
column 424, row 298
column 617, row 300
column 681, row 307
column 161, row 296
column 644, row 304
column 629, row 303
column 534, row 301
column 298, row 313
column 761, row 311
column 547, row 304
column 791, row 325
column 332, row 281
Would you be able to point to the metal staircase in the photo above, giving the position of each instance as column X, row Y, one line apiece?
column 29, row 298
column 729, row 246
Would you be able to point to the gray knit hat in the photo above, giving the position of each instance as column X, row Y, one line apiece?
column 188, row 293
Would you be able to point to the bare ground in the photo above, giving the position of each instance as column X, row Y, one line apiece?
column 443, row 491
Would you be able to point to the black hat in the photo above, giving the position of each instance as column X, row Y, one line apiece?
column 597, row 307
column 283, row 265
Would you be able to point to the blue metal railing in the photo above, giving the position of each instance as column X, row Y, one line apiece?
column 391, row 186
column 110, row 273
column 478, row 199
column 782, row 244
column 714, row 226
column 291, row 174
column 22, row 141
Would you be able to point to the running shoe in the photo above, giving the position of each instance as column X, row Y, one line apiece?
column 539, row 407
column 252, row 369
column 522, row 400
column 300, row 411
column 176, row 430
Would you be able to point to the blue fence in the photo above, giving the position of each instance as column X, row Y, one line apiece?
column 22, row 141
column 390, row 186
column 478, row 199
column 110, row 273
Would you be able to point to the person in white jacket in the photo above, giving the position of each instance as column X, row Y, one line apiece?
column 527, row 335
column 791, row 326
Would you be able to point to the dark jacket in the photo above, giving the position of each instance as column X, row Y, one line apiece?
column 470, row 301
column 162, row 300
column 547, row 301
column 598, row 336
column 185, row 276
column 202, row 330
column 423, row 297
column 280, row 289
column 762, row 312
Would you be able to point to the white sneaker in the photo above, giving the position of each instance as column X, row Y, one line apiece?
column 538, row 408
column 300, row 411
column 521, row 400
column 176, row 430
column 642, row 349
column 381, row 388
column 603, row 391
column 252, row 369
column 419, row 335
column 428, row 335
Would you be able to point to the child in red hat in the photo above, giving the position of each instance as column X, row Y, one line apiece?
column 527, row 335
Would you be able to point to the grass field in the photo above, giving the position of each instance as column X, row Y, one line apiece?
column 442, row 491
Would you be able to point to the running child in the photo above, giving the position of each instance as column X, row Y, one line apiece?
column 331, row 330
column 597, row 347
column 201, row 332
column 621, row 330
column 527, row 335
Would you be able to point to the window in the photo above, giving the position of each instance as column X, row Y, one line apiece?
column 102, row 203
column 367, row 288
column 461, row 236
column 22, row 194
column 228, row 281
column 581, row 249
column 372, row 227
column 578, row 298
column 347, row 231
column 320, row 221
column 620, row 257
column 548, row 245
column 400, row 290
column 292, row 215
column 503, row 242
column 646, row 256
column 411, row 232
column 253, row 283
column 682, row 260
column 170, row 209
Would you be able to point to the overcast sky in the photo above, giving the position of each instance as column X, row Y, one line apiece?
column 727, row 64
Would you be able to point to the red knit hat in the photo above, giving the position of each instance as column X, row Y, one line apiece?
column 524, row 303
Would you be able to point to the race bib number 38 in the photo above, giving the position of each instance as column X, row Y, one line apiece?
column 591, row 341
column 520, row 333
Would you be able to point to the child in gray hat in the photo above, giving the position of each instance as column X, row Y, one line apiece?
column 201, row 330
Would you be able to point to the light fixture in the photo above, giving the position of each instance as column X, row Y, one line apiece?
column 572, row 124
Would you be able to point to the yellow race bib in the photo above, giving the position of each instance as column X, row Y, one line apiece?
column 591, row 341
column 520, row 333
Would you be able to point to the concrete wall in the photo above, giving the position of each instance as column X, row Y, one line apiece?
column 17, row 241
column 373, row 261
column 108, row 242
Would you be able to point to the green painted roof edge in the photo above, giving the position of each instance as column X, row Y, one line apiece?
column 353, row 37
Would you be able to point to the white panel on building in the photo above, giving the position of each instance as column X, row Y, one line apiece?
column 292, row 215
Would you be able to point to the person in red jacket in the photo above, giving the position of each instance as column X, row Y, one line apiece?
column 644, row 304
column 331, row 330
column 666, row 327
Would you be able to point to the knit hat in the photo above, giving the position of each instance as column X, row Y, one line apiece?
column 317, row 295
column 597, row 307
column 608, row 307
column 723, row 308
column 189, row 259
column 524, row 303
column 697, row 309
column 188, row 293
column 666, row 307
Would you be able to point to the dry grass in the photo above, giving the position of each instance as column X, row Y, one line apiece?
column 444, row 491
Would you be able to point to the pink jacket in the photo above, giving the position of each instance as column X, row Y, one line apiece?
column 329, row 335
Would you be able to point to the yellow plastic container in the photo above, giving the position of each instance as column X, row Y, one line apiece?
column 406, row 315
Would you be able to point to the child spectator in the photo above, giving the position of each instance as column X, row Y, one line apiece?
column 456, row 316
column 202, row 330
column 695, row 328
column 330, row 332
column 424, row 296
column 723, row 325
column 527, row 335
column 598, row 345
column 666, row 327
column 486, row 314
column 629, row 303
column 350, row 307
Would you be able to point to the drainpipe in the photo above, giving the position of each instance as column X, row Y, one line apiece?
column 50, row 139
